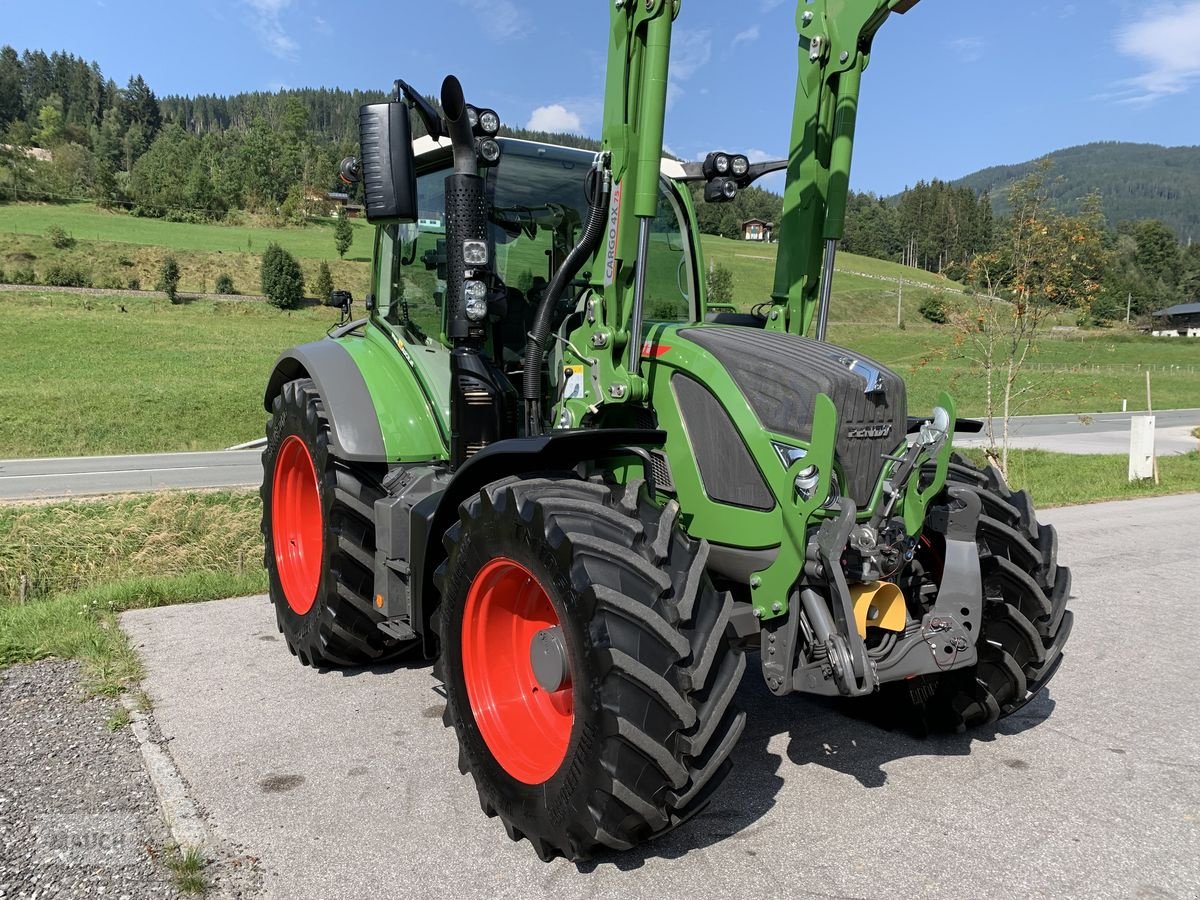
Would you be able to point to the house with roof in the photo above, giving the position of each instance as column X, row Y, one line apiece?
column 1177, row 321
column 758, row 230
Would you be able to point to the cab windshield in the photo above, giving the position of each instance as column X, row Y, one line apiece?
column 538, row 207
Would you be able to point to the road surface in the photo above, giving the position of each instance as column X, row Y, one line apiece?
column 31, row 479
column 345, row 784
column 1106, row 433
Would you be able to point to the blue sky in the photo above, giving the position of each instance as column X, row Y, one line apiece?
column 954, row 85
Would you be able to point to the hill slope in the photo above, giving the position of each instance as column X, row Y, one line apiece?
column 1137, row 181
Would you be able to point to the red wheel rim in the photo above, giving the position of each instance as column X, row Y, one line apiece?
column 526, row 727
column 297, row 531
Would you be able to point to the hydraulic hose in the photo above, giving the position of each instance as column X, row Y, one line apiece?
column 598, row 190
column 458, row 124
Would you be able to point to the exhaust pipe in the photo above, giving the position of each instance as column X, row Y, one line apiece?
column 458, row 123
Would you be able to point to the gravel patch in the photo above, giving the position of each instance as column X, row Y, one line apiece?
column 78, row 815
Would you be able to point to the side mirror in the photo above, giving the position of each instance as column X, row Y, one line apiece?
column 340, row 300
column 387, row 165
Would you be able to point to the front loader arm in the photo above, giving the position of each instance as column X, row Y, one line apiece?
column 835, row 47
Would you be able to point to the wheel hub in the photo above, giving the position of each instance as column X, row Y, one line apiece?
column 517, row 671
column 548, row 656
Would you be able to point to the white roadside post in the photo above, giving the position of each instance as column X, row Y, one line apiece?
column 1141, row 448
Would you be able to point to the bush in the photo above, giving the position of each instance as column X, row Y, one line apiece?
column 23, row 276
column 324, row 285
column 168, row 279
column 224, row 284
column 110, row 283
column 282, row 279
column 125, row 261
column 67, row 275
column 135, row 284
column 933, row 309
column 720, row 284
column 3, row 280
column 59, row 239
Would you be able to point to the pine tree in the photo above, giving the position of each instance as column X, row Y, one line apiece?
column 324, row 286
column 282, row 279
column 343, row 235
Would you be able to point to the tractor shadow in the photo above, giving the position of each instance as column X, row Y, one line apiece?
column 805, row 731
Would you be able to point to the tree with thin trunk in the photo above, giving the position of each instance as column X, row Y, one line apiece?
column 1044, row 261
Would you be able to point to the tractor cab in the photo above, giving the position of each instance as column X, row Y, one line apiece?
column 537, row 210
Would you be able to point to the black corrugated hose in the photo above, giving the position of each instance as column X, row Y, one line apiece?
column 593, row 231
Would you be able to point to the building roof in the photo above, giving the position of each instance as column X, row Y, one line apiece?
column 758, row 222
column 1183, row 309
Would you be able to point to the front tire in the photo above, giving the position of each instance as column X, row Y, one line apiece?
column 319, row 533
column 635, row 733
column 1025, row 623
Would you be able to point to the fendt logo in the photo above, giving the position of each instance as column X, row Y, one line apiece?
column 870, row 432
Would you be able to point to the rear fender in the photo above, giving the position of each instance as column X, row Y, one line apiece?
column 378, row 410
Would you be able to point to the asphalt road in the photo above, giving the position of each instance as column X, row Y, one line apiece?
column 31, row 479
column 345, row 784
column 1098, row 432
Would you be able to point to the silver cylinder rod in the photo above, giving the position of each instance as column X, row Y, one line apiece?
column 831, row 247
column 639, row 296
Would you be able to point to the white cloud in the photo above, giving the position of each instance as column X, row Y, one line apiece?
column 554, row 118
column 501, row 19
column 749, row 36
column 690, row 51
column 967, row 49
column 1167, row 44
column 267, row 16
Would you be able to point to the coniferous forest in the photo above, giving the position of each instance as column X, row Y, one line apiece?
column 68, row 133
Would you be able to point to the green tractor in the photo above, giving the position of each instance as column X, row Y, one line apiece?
column 544, row 461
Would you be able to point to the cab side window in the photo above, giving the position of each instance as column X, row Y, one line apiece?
column 668, row 270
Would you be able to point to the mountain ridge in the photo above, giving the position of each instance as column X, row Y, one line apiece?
column 1136, row 181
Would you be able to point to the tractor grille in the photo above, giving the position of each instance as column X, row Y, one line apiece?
column 781, row 375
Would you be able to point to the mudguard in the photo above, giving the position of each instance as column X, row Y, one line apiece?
column 352, row 373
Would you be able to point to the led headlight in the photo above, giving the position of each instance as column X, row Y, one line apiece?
column 489, row 122
column 475, row 300
column 473, row 116
column 489, row 151
column 475, row 253
column 721, row 164
column 739, row 165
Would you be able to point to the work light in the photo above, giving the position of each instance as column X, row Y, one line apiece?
column 475, row 300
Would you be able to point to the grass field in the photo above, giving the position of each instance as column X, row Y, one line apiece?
column 82, row 377
column 115, row 247
column 68, row 569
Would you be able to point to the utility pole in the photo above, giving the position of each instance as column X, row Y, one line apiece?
column 1128, row 307
column 900, row 302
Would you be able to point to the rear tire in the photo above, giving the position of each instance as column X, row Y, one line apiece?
column 652, row 673
column 1025, row 618
column 319, row 531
